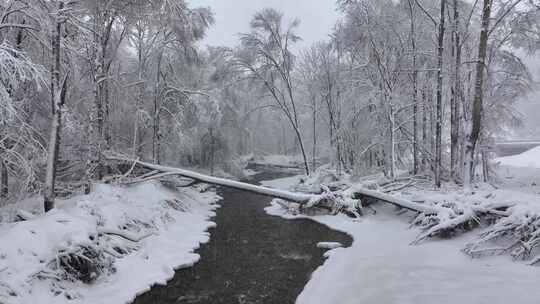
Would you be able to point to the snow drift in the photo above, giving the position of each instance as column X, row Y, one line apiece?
column 528, row 159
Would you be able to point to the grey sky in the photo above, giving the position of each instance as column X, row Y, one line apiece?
column 233, row 16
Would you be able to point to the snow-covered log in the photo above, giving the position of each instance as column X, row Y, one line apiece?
column 24, row 215
column 304, row 199
column 454, row 217
column 301, row 198
column 400, row 202
column 328, row 199
column 446, row 225
column 329, row 245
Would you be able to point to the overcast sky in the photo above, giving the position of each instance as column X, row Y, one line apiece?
column 317, row 19
column 233, row 16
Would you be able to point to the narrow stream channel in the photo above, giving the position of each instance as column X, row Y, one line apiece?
column 251, row 258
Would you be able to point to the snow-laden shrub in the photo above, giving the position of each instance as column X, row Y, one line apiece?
column 518, row 234
column 328, row 202
column 511, row 221
column 324, row 176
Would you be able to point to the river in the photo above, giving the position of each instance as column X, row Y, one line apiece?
column 252, row 257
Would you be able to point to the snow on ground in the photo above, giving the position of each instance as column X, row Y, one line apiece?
column 249, row 172
column 176, row 221
column 285, row 183
column 382, row 267
column 519, row 178
column 528, row 159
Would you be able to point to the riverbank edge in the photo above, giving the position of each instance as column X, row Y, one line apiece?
column 172, row 225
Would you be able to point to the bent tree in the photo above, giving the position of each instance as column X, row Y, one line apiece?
column 266, row 57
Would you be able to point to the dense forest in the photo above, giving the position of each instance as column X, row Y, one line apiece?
column 414, row 86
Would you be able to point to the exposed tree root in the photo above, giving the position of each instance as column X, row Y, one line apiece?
column 84, row 263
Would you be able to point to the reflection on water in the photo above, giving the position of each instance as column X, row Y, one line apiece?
column 251, row 258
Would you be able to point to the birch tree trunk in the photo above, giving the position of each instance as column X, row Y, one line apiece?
column 477, row 106
column 58, row 93
column 438, row 127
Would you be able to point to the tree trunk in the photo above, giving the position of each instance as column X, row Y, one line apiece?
column 58, row 93
column 431, row 127
column 424, row 127
column 337, row 114
column 392, row 142
column 314, row 151
column 4, row 175
column 212, row 150
column 156, row 136
column 97, row 115
column 302, row 149
column 438, row 127
column 138, row 136
column 477, row 106
column 4, row 183
column 485, row 165
column 415, row 88
column 455, row 122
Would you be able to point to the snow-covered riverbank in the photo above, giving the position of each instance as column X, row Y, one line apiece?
column 382, row 267
column 171, row 224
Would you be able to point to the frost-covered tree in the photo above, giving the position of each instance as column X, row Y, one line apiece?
column 20, row 144
column 266, row 56
column 58, row 99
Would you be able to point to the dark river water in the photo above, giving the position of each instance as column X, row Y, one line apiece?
column 252, row 257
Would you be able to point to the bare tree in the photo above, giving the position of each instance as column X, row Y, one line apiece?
column 439, row 106
column 456, row 95
column 412, row 9
column 267, row 57
column 486, row 57
column 58, row 94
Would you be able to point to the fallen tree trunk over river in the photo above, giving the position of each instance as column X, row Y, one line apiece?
column 296, row 197
column 159, row 171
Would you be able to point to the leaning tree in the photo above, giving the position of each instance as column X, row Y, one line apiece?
column 266, row 56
